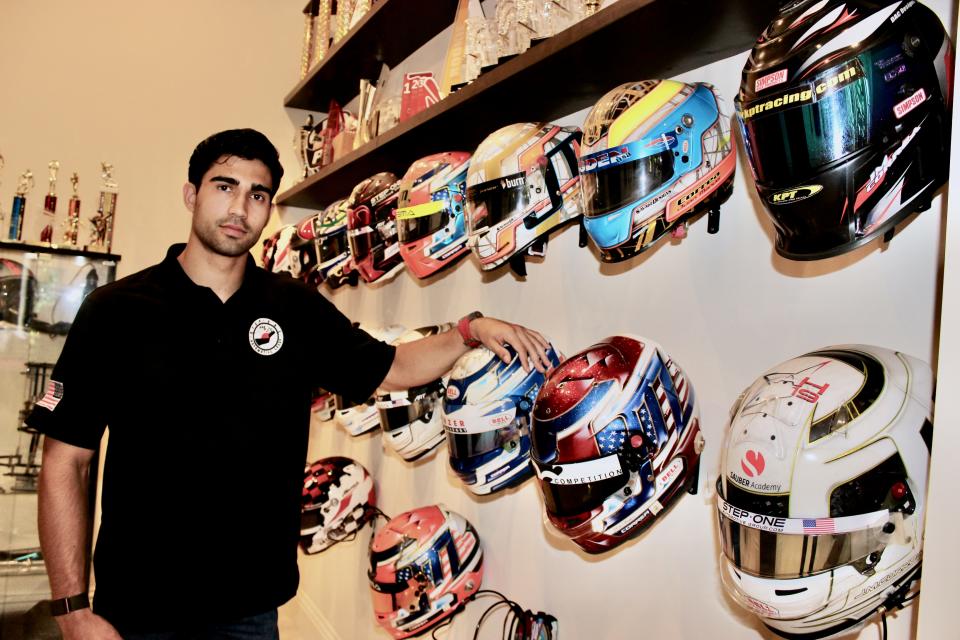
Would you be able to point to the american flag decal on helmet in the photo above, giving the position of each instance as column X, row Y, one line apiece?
column 53, row 395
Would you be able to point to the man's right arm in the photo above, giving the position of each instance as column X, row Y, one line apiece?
column 64, row 521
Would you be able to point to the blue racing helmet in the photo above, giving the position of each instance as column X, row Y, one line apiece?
column 486, row 414
column 654, row 155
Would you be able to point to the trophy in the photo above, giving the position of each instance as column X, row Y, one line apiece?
column 321, row 32
column 102, row 237
column 19, row 209
column 72, row 223
column 50, row 203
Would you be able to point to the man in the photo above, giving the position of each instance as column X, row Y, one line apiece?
column 203, row 366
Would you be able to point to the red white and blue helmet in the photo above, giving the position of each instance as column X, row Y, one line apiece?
column 486, row 414
column 616, row 439
column 424, row 565
column 337, row 495
column 293, row 249
column 372, row 227
column 277, row 255
column 410, row 418
column 430, row 214
column 845, row 110
column 655, row 154
column 822, row 489
column 522, row 183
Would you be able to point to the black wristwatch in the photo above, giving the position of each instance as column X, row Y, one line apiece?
column 63, row 606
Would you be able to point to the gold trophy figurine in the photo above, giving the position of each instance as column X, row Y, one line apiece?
column 50, row 203
column 72, row 223
column 102, row 237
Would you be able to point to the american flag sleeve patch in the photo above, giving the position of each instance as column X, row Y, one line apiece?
column 51, row 398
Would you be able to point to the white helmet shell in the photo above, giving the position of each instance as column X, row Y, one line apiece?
column 824, row 476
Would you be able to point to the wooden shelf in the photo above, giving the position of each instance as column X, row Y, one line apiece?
column 58, row 250
column 561, row 75
column 387, row 34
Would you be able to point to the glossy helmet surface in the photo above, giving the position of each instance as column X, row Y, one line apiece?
column 337, row 495
column 616, row 438
column 16, row 282
column 844, row 109
column 410, row 418
column 821, row 497
column 486, row 415
column 521, row 184
column 360, row 418
column 655, row 154
column 276, row 255
column 424, row 565
column 322, row 405
column 430, row 214
column 293, row 249
column 334, row 248
column 372, row 227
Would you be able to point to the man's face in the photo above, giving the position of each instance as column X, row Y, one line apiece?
column 232, row 205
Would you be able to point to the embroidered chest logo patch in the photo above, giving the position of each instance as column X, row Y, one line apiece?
column 266, row 336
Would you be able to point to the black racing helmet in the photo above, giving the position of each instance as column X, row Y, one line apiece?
column 844, row 108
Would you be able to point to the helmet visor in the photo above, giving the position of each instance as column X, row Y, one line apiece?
column 575, row 488
column 785, row 548
column 615, row 186
column 491, row 202
column 400, row 410
column 474, row 431
column 360, row 241
column 419, row 221
column 310, row 519
column 332, row 246
column 788, row 136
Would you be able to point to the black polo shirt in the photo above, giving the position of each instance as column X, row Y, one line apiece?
column 208, row 405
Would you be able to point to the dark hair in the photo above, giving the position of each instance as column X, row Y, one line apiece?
column 248, row 144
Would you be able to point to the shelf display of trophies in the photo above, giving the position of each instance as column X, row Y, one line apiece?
column 41, row 289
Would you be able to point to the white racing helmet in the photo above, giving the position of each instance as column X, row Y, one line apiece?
column 410, row 418
column 360, row 418
column 821, row 497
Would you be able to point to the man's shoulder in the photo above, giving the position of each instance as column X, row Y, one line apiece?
column 143, row 283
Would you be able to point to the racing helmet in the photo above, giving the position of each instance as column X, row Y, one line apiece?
column 410, row 418
column 655, row 155
column 17, row 289
column 322, row 404
column 424, row 565
column 486, row 414
column 616, row 436
column 844, row 108
column 821, row 497
column 372, row 227
column 334, row 248
column 337, row 496
column 430, row 221
column 305, row 246
column 276, row 250
column 358, row 418
column 522, row 183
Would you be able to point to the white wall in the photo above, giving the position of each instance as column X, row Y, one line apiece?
column 726, row 308
column 140, row 84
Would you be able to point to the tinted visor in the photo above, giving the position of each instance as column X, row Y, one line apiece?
column 491, row 202
column 421, row 220
column 790, row 135
column 574, row 488
column 420, row 405
column 776, row 554
column 470, row 445
column 619, row 185
column 333, row 245
column 311, row 519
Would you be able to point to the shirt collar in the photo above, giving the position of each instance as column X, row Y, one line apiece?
column 173, row 273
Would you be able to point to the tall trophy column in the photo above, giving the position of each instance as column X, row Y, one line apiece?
column 102, row 238
column 50, row 203
column 72, row 223
column 19, row 209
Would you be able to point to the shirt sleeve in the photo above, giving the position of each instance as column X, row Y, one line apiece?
column 72, row 409
column 350, row 362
